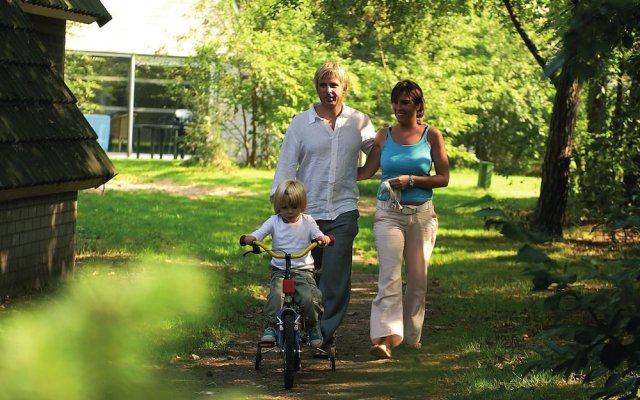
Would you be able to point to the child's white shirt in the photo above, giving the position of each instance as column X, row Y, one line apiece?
column 290, row 237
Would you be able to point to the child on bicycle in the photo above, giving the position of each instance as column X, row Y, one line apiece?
column 291, row 230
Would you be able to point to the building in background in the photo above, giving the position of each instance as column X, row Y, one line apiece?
column 133, row 58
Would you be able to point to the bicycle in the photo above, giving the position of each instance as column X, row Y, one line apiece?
column 292, row 332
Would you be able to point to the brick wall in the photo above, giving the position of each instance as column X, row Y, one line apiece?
column 37, row 238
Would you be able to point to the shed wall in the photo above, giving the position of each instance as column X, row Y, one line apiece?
column 37, row 237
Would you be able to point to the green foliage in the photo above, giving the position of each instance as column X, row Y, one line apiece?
column 262, row 57
column 597, row 330
column 602, row 337
column 97, row 338
column 259, row 69
column 504, row 91
column 192, row 88
column 77, row 68
column 460, row 157
column 480, row 317
column 372, row 31
column 599, row 46
column 607, row 24
column 607, row 169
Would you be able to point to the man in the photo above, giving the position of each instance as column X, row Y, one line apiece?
column 321, row 148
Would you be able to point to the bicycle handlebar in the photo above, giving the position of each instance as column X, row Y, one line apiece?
column 257, row 245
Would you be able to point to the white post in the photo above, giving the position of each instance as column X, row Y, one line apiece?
column 132, row 87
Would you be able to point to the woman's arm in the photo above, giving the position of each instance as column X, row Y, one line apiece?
column 440, row 161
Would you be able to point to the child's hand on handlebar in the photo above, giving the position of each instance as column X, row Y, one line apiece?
column 247, row 240
column 323, row 240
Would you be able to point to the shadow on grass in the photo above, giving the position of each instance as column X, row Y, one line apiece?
column 481, row 315
column 427, row 375
column 479, row 311
column 131, row 222
column 119, row 226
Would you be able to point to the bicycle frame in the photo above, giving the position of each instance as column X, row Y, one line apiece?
column 290, row 320
column 288, row 283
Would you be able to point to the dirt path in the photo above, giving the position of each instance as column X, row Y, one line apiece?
column 357, row 375
column 218, row 375
column 411, row 374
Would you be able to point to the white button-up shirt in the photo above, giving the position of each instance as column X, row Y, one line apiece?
column 325, row 160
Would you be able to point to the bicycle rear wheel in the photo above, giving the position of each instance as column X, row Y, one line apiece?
column 289, row 350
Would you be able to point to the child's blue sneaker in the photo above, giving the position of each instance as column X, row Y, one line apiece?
column 315, row 336
column 269, row 335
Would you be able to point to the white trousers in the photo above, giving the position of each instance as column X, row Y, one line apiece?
column 402, row 236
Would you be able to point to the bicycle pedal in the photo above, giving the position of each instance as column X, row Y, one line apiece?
column 322, row 354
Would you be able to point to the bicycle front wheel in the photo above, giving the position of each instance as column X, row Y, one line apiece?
column 289, row 350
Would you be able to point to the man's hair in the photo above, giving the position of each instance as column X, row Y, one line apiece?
column 331, row 70
column 411, row 89
column 290, row 193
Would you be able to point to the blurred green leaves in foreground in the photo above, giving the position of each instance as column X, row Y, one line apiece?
column 98, row 337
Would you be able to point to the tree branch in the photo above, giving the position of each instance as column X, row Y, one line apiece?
column 527, row 41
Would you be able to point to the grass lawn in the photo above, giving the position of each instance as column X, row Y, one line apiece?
column 482, row 316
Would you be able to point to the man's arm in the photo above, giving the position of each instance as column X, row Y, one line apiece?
column 287, row 167
column 372, row 164
column 368, row 133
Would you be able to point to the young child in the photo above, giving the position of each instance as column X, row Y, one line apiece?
column 292, row 231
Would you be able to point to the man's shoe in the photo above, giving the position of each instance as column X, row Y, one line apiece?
column 315, row 336
column 269, row 335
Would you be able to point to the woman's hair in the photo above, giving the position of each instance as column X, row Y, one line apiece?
column 413, row 90
column 290, row 193
column 331, row 70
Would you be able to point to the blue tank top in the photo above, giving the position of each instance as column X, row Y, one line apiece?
column 406, row 159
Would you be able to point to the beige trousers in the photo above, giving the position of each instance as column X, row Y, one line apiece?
column 408, row 235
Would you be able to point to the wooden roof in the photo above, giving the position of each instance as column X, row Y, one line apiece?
column 46, row 144
column 86, row 11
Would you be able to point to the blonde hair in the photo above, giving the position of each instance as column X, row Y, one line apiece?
column 290, row 193
column 331, row 70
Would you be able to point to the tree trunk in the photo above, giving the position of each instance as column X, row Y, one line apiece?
column 591, row 158
column 554, row 190
column 631, row 176
column 253, row 133
column 617, row 121
column 245, row 136
column 597, row 105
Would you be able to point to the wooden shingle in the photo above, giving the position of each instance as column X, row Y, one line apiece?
column 46, row 144
column 85, row 11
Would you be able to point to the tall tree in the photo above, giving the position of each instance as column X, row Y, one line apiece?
column 260, row 60
column 506, row 93
column 554, row 190
column 591, row 33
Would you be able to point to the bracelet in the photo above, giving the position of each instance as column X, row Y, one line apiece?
column 410, row 180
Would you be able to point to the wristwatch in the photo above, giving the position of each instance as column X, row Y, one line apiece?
column 410, row 180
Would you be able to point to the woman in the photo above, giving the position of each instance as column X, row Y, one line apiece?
column 405, row 222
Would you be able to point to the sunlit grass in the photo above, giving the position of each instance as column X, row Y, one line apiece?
column 171, row 171
column 481, row 313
